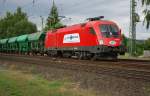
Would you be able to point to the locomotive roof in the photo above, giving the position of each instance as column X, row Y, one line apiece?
column 79, row 26
column 93, row 22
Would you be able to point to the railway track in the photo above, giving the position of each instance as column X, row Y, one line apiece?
column 130, row 63
column 133, row 69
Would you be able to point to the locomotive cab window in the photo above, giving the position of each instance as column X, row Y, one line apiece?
column 92, row 31
column 108, row 30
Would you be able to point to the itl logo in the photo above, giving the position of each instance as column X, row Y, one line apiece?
column 71, row 38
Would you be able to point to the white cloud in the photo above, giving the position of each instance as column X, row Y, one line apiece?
column 19, row 2
column 79, row 10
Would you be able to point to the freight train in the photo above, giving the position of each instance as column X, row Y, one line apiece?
column 91, row 40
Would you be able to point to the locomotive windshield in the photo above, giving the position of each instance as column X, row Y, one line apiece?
column 109, row 30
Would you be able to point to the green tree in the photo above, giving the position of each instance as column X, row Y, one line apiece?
column 53, row 20
column 139, row 45
column 146, row 4
column 124, row 40
column 139, row 49
column 147, row 44
column 14, row 24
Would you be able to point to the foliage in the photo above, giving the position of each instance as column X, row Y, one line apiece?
column 124, row 40
column 53, row 20
column 139, row 49
column 147, row 44
column 140, row 46
column 14, row 24
column 146, row 4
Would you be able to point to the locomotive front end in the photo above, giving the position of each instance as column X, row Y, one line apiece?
column 110, row 39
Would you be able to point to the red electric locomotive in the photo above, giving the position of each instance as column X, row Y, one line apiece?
column 94, row 39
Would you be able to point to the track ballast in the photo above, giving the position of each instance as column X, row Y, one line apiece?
column 124, row 68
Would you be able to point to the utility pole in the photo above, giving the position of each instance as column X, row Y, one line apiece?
column 42, row 20
column 132, row 33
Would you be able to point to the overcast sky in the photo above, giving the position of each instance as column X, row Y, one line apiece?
column 78, row 11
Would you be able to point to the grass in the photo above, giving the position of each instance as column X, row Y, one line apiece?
column 15, row 83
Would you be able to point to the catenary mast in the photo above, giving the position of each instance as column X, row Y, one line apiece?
column 132, row 33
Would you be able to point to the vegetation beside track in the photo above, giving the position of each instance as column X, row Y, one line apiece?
column 16, row 83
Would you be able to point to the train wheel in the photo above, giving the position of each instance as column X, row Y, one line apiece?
column 94, row 57
column 114, row 56
column 67, row 54
column 83, row 56
column 48, row 53
column 53, row 53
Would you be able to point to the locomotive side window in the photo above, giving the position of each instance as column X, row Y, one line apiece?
column 109, row 30
column 92, row 31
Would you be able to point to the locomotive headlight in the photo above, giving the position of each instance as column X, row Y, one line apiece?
column 112, row 42
column 101, row 42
